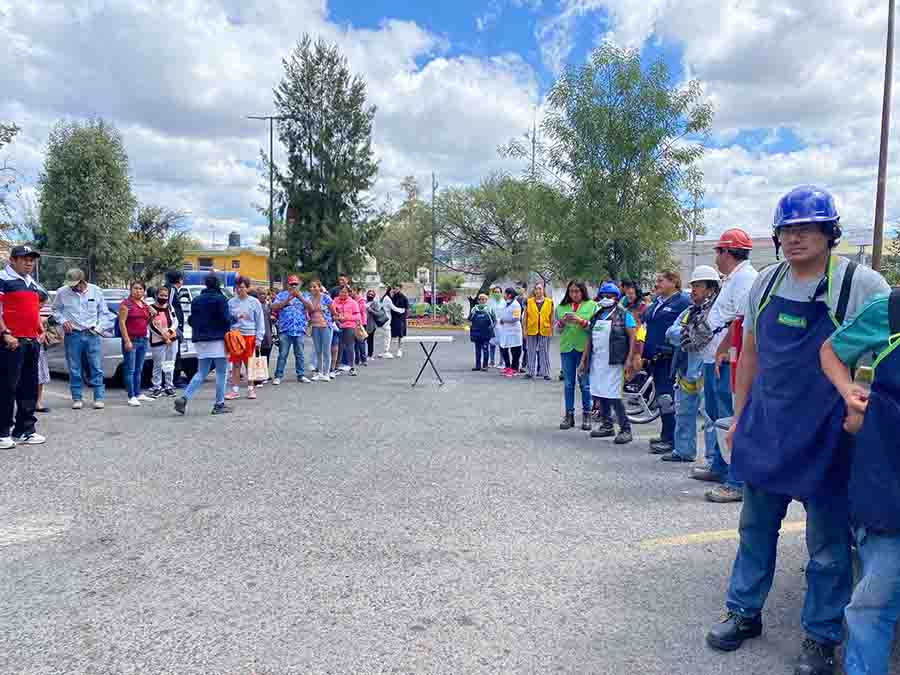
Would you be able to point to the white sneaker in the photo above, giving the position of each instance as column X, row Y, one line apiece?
column 77, row 405
column 134, row 402
column 316, row 378
column 276, row 381
column 314, row 369
column 387, row 355
column 144, row 397
column 6, row 443
column 99, row 405
column 331, row 376
column 345, row 369
column 305, row 380
column 30, row 439
column 399, row 353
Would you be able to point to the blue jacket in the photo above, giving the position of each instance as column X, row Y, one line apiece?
column 659, row 316
column 210, row 317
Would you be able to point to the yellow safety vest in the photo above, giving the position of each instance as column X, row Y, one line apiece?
column 545, row 315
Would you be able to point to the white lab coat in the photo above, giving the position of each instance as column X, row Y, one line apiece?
column 509, row 334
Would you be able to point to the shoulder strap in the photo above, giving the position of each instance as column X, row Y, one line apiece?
column 844, row 298
column 894, row 311
column 764, row 298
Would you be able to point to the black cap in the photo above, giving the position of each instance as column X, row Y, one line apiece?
column 23, row 251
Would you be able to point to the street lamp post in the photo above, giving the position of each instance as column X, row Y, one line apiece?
column 271, row 119
column 878, row 237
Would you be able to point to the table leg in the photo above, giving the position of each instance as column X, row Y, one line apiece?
column 428, row 362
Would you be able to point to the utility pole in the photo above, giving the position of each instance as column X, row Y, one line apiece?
column 694, row 237
column 878, row 237
column 271, row 119
column 434, row 186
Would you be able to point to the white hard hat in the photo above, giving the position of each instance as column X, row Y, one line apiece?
column 705, row 273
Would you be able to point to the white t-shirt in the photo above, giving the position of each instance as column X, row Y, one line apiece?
column 729, row 305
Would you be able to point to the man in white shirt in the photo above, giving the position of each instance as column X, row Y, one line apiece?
column 81, row 310
column 732, row 259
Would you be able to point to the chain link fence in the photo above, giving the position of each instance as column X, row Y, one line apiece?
column 50, row 270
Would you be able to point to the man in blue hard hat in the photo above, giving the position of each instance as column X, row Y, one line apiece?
column 789, row 442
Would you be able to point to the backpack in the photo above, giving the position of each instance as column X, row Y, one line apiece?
column 234, row 342
column 482, row 328
column 696, row 333
column 379, row 316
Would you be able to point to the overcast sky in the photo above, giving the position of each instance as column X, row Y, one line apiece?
column 796, row 86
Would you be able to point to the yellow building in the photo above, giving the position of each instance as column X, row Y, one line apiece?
column 248, row 261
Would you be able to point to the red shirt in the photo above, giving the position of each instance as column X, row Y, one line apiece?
column 21, row 304
column 138, row 318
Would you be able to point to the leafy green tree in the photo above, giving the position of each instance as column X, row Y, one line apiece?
column 493, row 229
column 85, row 198
column 158, row 240
column 327, row 133
column 622, row 144
column 7, row 178
column 405, row 241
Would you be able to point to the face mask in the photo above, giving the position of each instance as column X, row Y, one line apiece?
column 607, row 302
column 495, row 296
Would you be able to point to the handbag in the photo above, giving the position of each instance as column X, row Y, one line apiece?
column 234, row 342
column 361, row 333
column 257, row 368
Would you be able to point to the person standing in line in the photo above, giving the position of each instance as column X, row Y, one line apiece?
column 509, row 333
column 573, row 316
column 670, row 302
column 375, row 319
column 388, row 305
column 346, row 315
column 265, row 349
column 607, row 359
column 691, row 334
column 732, row 259
column 291, row 312
column 360, row 346
column 339, row 361
column 522, row 299
column 210, row 319
column 538, row 331
column 633, row 300
column 789, row 441
column 174, row 282
column 252, row 326
column 81, row 310
column 318, row 307
column 163, row 344
column 43, row 362
column 495, row 304
column 874, row 487
column 399, row 313
column 481, row 321
column 21, row 334
column 134, row 322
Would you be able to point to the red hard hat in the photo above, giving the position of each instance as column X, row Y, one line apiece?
column 735, row 239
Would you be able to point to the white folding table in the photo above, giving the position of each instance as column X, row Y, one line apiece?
column 434, row 341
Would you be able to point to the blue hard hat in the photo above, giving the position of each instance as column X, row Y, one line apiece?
column 609, row 288
column 805, row 204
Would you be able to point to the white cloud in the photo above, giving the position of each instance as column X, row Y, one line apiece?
column 179, row 77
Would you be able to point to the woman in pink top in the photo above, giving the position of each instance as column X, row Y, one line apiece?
column 346, row 316
column 360, row 297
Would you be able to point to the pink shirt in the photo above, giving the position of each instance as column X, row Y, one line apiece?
column 362, row 310
column 348, row 309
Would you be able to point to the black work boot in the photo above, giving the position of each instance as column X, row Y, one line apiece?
column 729, row 634
column 624, row 437
column 568, row 421
column 603, row 430
column 586, row 422
column 815, row 659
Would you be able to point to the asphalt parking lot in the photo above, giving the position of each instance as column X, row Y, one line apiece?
column 363, row 526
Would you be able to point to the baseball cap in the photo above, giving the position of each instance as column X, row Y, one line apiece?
column 293, row 279
column 23, row 251
column 74, row 277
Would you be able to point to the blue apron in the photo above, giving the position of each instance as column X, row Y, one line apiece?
column 789, row 439
column 875, row 469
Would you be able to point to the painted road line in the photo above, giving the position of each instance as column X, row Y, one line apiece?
column 791, row 527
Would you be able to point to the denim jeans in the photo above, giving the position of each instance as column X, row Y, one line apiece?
column 481, row 354
column 163, row 358
column 360, row 351
column 133, row 365
column 828, row 572
column 285, row 344
column 492, row 353
column 687, row 405
column 875, row 606
column 719, row 404
column 203, row 368
column 347, row 346
column 321, row 338
column 662, row 380
column 570, row 361
column 80, row 345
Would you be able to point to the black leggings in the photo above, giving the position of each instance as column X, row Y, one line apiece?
column 370, row 343
column 516, row 355
column 606, row 406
